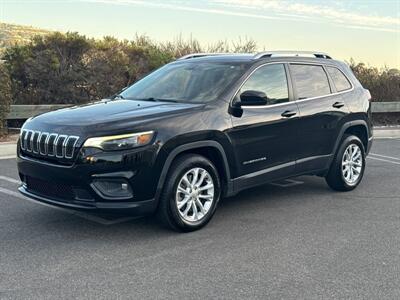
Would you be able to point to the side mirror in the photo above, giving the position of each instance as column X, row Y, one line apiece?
column 253, row 98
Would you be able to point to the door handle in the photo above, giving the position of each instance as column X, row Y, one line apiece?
column 288, row 113
column 338, row 104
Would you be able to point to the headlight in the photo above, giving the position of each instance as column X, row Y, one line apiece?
column 120, row 142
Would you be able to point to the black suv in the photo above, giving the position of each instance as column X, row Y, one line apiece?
column 200, row 128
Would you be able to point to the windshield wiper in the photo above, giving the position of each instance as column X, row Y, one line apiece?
column 155, row 99
column 118, row 96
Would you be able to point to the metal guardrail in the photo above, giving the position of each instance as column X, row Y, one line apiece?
column 27, row 111
column 385, row 107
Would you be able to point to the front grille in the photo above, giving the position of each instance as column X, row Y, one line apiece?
column 49, row 189
column 47, row 144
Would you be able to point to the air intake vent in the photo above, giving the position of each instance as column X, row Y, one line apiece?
column 50, row 189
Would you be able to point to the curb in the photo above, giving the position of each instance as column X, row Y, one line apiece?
column 8, row 150
column 387, row 132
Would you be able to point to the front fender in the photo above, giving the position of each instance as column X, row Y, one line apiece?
column 169, row 154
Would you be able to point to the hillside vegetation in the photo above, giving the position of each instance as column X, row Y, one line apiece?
column 11, row 34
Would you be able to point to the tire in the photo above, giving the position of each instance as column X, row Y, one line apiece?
column 179, row 187
column 348, row 166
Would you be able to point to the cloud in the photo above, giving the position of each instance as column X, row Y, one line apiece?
column 275, row 10
column 370, row 28
column 176, row 6
column 330, row 13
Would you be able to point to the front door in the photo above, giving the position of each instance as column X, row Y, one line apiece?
column 264, row 137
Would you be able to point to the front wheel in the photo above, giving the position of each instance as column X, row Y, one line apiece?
column 348, row 166
column 191, row 193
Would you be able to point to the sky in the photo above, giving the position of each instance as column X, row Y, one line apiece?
column 367, row 31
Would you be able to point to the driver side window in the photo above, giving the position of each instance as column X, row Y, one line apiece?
column 271, row 80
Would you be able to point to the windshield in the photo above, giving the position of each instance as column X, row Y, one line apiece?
column 195, row 82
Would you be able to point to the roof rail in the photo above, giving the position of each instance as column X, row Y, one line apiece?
column 196, row 55
column 316, row 54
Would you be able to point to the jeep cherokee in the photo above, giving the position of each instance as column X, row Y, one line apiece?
column 200, row 128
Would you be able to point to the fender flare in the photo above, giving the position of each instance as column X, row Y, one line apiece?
column 189, row 146
column 346, row 126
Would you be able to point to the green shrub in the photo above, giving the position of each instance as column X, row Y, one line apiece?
column 49, row 69
column 384, row 84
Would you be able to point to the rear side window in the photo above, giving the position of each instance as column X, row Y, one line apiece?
column 311, row 81
column 340, row 81
column 271, row 80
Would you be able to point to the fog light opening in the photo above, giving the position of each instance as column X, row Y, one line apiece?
column 112, row 188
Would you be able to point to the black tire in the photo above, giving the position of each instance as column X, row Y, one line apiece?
column 168, row 212
column 335, row 177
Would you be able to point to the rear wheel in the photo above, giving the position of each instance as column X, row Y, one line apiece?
column 348, row 167
column 191, row 193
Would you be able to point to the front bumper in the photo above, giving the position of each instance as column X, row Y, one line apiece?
column 72, row 186
column 134, row 208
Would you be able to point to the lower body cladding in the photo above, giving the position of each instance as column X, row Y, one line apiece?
column 112, row 182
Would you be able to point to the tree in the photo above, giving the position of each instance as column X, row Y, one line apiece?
column 107, row 66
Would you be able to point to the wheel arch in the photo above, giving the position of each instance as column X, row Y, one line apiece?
column 210, row 149
column 358, row 128
column 359, row 131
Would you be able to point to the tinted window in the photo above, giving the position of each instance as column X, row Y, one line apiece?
column 271, row 80
column 311, row 81
column 191, row 81
column 340, row 81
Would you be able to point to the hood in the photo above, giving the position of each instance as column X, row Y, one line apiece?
column 104, row 115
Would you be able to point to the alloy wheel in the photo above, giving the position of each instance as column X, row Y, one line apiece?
column 194, row 195
column 352, row 164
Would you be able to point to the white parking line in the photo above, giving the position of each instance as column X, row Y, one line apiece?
column 83, row 215
column 385, row 156
column 9, row 179
column 385, row 160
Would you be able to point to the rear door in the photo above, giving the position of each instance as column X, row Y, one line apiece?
column 264, row 136
column 322, row 110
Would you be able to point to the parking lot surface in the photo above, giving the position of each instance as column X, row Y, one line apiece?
column 293, row 239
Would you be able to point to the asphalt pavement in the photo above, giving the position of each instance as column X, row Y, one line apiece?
column 294, row 239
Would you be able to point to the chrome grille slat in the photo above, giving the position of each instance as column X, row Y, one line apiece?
column 42, row 147
column 51, row 144
column 59, row 143
column 22, row 141
column 35, row 139
column 74, row 140
column 28, row 139
column 48, row 144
